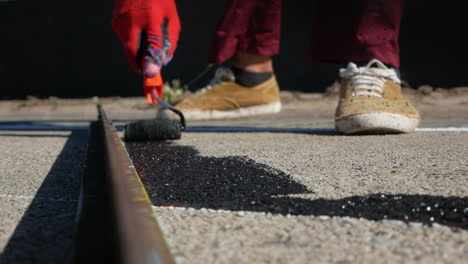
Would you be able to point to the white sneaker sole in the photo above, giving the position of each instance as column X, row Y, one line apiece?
column 225, row 114
column 380, row 122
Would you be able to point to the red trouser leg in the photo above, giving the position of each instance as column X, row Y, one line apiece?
column 252, row 26
column 357, row 30
column 353, row 30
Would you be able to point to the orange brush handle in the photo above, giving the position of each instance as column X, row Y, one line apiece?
column 153, row 83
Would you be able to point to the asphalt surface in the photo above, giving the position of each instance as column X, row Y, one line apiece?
column 266, row 196
column 179, row 176
column 39, row 189
column 297, row 198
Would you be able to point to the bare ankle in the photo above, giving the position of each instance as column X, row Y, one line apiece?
column 252, row 62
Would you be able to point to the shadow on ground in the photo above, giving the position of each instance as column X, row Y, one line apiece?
column 44, row 234
column 177, row 175
column 32, row 135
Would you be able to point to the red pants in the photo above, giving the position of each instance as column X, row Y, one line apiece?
column 343, row 31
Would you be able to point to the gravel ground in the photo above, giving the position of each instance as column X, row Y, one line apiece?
column 39, row 187
column 309, row 107
column 201, row 236
column 281, row 197
column 297, row 214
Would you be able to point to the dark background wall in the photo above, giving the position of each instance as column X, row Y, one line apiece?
column 67, row 48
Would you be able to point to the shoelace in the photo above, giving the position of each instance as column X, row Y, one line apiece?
column 364, row 85
column 368, row 80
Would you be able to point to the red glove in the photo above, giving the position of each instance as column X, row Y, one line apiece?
column 149, row 31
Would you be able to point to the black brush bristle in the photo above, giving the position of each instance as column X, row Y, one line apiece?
column 153, row 129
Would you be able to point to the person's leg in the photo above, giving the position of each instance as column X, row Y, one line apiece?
column 248, row 27
column 249, row 34
column 252, row 62
column 251, row 69
column 366, row 33
column 357, row 30
column 234, row 24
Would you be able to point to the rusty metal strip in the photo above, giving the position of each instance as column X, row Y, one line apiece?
column 139, row 236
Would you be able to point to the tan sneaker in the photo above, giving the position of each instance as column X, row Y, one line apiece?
column 371, row 101
column 227, row 99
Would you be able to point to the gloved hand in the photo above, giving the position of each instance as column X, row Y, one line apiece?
column 149, row 31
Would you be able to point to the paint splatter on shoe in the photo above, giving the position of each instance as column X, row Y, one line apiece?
column 224, row 98
column 371, row 101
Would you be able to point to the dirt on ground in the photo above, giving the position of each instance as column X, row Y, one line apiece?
column 434, row 103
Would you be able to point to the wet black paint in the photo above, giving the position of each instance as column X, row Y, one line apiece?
column 178, row 175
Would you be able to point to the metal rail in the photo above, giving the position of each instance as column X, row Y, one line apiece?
column 133, row 234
